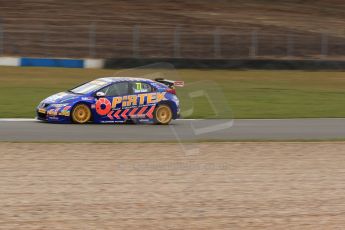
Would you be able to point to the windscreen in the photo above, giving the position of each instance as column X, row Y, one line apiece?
column 89, row 87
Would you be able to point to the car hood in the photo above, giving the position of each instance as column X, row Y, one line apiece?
column 63, row 97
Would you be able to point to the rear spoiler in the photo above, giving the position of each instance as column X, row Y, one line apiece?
column 170, row 83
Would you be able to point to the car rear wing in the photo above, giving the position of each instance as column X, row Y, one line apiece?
column 170, row 83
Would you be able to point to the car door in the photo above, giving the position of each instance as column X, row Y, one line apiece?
column 143, row 92
column 110, row 107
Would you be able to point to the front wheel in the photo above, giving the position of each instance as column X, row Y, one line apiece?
column 163, row 115
column 81, row 114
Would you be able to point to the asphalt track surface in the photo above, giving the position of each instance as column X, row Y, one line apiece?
column 26, row 130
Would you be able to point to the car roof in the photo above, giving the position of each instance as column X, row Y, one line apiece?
column 119, row 79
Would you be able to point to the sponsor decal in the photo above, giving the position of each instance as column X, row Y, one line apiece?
column 65, row 111
column 103, row 106
column 179, row 83
column 99, row 82
column 106, row 122
column 129, row 105
column 87, row 98
column 53, row 112
column 138, row 100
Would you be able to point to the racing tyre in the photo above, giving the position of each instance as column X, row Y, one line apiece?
column 163, row 115
column 81, row 114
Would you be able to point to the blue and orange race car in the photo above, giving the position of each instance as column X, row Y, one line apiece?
column 114, row 100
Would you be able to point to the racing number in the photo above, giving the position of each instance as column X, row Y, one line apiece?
column 138, row 86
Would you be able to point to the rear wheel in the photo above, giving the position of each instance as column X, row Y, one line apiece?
column 81, row 114
column 163, row 114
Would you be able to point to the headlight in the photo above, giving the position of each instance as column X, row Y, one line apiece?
column 41, row 105
column 58, row 105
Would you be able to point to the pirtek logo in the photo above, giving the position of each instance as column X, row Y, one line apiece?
column 132, row 100
column 103, row 105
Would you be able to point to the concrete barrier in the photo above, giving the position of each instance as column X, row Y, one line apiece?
column 269, row 64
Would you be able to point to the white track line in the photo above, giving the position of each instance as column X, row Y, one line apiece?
column 17, row 119
column 190, row 119
column 32, row 119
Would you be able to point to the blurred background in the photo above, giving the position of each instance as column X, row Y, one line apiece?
column 261, row 59
column 216, row 29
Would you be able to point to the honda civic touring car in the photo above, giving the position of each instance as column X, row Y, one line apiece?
column 114, row 100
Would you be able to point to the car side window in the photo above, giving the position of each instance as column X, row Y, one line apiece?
column 116, row 89
column 141, row 87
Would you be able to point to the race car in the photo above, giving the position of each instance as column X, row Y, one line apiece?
column 114, row 100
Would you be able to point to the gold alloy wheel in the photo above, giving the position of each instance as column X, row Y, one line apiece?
column 81, row 114
column 163, row 114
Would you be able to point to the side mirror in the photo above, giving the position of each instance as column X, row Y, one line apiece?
column 100, row 94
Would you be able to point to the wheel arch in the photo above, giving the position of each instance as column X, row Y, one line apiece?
column 172, row 105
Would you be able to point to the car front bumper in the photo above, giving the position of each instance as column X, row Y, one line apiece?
column 53, row 116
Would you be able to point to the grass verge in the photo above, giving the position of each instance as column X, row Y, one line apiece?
column 249, row 94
